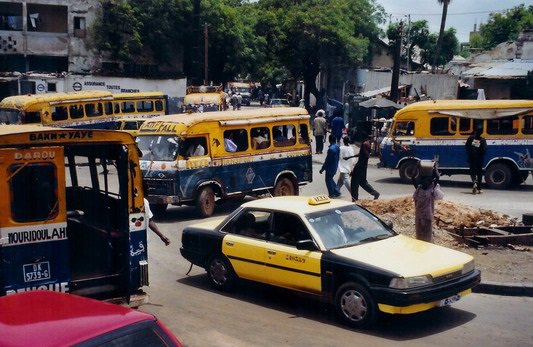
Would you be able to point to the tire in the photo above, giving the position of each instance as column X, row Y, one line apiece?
column 205, row 202
column 158, row 209
column 408, row 170
column 220, row 273
column 354, row 306
column 499, row 176
column 285, row 186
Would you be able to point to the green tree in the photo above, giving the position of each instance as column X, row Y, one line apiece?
column 117, row 30
column 502, row 27
column 308, row 36
column 444, row 4
column 450, row 47
column 416, row 35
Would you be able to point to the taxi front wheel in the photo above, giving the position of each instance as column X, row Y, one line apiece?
column 354, row 305
column 220, row 273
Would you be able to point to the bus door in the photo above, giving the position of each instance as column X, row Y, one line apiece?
column 34, row 252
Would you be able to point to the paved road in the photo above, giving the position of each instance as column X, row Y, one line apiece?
column 256, row 315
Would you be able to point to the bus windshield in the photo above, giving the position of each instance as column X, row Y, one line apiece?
column 158, row 147
column 8, row 116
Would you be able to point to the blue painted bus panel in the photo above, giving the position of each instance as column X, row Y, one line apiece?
column 39, row 265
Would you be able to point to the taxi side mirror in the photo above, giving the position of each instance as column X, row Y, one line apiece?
column 306, row 245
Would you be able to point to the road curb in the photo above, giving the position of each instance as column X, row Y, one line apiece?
column 508, row 289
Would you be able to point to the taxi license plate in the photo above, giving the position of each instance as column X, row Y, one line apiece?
column 36, row 271
column 450, row 300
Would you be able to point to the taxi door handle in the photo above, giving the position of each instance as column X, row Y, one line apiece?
column 228, row 243
column 271, row 252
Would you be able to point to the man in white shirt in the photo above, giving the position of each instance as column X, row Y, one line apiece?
column 345, row 165
column 195, row 149
column 152, row 225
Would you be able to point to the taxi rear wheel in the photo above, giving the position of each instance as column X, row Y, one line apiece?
column 220, row 273
column 354, row 305
column 285, row 186
column 205, row 202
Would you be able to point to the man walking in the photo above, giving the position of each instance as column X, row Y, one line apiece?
column 359, row 171
column 345, row 165
column 476, row 146
column 319, row 130
column 330, row 166
column 337, row 124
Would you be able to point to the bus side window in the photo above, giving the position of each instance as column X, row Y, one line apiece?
column 502, row 126
column 465, row 126
column 442, row 126
column 59, row 113
column 159, row 105
column 108, row 108
column 303, row 134
column 93, row 110
column 76, row 111
column 116, row 108
column 128, row 107
column 235, row 140
column 260, row 138
column 527, row 127
column 284, row 135
column 144, row 106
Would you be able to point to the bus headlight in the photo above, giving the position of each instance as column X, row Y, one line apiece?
column 468, row 267
column 410, row 282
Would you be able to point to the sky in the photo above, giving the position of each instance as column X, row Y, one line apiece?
column 462, row 14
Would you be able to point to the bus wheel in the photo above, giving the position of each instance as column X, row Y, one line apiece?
column 354, row 305
column 158, row 209
column 205, row 202
column 408, row 170
column 284, row 187
column 499, row 176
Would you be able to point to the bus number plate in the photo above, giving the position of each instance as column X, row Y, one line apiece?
column 36, row 271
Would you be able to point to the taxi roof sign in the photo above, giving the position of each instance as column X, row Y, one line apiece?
column 319, row 200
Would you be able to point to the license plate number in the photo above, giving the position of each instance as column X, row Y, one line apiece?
column 36, row 271
column 450, row 300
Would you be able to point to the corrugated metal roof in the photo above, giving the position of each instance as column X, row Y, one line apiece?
column 509, row 69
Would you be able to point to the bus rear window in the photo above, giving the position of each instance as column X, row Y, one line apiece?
column 33, row 190
column 502, row 126
column 8, row 116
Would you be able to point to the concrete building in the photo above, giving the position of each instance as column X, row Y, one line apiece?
column 45, row 45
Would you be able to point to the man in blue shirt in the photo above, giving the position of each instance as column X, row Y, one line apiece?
column 330, row 166
column 337, row 124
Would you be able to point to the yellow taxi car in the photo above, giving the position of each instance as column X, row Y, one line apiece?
column 334, row 249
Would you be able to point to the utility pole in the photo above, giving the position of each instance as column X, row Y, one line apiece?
column 407, row 43
column 394, row 95
column 206, row 53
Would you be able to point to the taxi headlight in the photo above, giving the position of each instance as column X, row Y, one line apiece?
column 468, row 267
column 410, row 282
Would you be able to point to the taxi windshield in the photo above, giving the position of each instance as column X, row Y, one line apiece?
column 347, row 226
column 158, row 147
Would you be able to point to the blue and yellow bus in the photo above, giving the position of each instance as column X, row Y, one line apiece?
column 438, row 130
column 194, row 159
column 93, row 109
column 70, row 222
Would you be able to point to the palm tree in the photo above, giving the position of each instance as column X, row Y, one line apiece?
column 444, row 4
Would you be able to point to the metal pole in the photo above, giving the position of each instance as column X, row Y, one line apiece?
column 206, row 51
